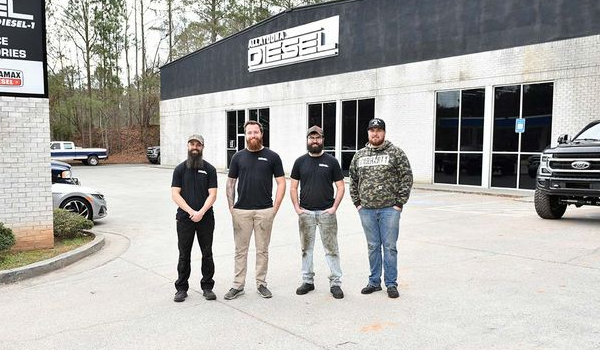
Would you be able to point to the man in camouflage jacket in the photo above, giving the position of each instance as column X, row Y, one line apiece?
column 380, row 184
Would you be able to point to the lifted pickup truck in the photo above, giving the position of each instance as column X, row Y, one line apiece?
column 569, row 173
column 66, row 150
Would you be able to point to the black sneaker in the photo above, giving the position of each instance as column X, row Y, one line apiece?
column 180, row 296
column 305, row 288
column 337, row 292
column 370, row 289
column 264, row 292
column 233, row 293
column 393, row 292
column 209, row 294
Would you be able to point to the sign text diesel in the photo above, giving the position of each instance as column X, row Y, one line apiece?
column 307, row 42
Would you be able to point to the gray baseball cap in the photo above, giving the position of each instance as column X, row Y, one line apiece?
column 196, row 137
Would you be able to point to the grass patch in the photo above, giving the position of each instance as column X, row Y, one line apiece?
column 10, row 260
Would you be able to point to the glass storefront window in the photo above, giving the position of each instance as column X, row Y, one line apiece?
column 515, row 156
column 459, row 122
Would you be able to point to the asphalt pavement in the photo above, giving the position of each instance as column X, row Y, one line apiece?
column 475, row 272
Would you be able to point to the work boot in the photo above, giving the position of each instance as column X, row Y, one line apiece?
column 337, row 292
column 209, row 294
column 392, row 292
column 180, row 296
column 305, row 288
column 370, row 289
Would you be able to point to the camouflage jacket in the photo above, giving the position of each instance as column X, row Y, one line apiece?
column 380, row 177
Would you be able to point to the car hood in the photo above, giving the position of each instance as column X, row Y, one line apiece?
column 66, row 188
column 575, row 148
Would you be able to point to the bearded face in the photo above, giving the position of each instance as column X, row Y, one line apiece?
column 194, row 160
column 314, row 144
column 376, row 136
column 254, row 138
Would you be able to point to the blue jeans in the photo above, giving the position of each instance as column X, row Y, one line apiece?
column 327, row 223
column 381, row 228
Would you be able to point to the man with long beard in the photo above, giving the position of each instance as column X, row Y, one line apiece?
column 380, row 184
column 316, row 172
column 254, row 167
column 194, row 190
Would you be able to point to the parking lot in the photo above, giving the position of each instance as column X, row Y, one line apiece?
column 475, row 272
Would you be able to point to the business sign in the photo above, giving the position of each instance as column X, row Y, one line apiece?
column 22, row 48
column 307, row 42
column 519, row 126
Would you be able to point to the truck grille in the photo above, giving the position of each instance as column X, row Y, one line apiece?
column 574, row 175
column 567, row 165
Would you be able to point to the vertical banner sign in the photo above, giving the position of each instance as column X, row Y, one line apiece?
column 23, row 48
column 307, row 42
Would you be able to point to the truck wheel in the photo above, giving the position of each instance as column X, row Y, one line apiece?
column 548, row 207
column 158, row 160
column 92, row 160
column 78, row 206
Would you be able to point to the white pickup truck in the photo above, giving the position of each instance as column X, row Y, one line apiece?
column 66, row 150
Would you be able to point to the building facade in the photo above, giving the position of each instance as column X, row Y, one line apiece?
column 25, row 186
column 25, row 178
column 451, row 79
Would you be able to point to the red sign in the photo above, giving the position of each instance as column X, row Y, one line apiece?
column 11, row 77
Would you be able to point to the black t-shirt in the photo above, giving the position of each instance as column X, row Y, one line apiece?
column 255, row 172
column 194, row 184
column 316, row 176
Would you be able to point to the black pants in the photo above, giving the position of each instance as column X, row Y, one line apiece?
column 186, row 230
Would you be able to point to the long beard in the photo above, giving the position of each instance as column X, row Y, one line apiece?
column 314, row 148
column 194, row 160
column 254, row 144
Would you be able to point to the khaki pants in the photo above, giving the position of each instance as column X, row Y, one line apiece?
column 244, row 222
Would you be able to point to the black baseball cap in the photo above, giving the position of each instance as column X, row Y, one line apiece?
column 376, row 123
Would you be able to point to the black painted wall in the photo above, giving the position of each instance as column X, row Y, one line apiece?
column 379, row 33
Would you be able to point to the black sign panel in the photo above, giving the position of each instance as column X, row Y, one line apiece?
column 23, row 48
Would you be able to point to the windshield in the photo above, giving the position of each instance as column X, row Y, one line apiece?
column 590, row 134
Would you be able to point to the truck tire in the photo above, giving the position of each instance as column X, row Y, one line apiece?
column 92, row 160
column 548, row 207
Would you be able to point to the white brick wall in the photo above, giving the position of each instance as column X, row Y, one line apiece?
column 25, row 185
column 404, row 97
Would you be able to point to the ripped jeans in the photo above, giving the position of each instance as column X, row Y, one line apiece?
column 327, row 223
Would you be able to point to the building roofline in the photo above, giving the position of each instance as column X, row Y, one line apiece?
column 258, row 24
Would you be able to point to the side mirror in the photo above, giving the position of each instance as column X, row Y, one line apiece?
column 564, row 138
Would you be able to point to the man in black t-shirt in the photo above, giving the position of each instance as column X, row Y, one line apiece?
column 316, row 172
column 194, row 190
column 254, row 167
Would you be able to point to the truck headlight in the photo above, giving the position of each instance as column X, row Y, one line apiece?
column 544, row 168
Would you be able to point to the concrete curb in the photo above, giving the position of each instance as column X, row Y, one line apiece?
column 59, row 261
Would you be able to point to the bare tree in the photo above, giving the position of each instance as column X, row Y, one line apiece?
column 77, row 17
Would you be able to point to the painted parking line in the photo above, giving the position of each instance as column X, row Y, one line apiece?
column 496, row 208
